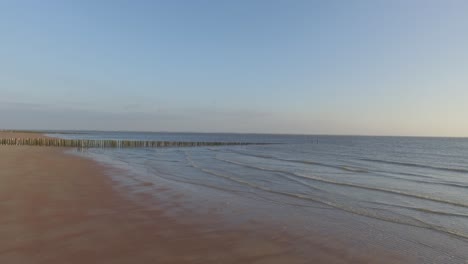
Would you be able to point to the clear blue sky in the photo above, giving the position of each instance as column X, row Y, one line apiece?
column 329, row 67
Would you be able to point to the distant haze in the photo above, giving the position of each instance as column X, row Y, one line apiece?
column 308, row 67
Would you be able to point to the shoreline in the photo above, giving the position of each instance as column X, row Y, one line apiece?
column 61, row 208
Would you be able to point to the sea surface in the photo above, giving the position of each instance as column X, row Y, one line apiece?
column 407, row 195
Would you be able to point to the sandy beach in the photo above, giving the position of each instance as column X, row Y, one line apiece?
column 59, row 208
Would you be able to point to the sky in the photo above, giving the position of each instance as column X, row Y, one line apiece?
column 375, row 67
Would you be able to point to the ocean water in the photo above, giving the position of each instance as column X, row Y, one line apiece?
column 404, row 194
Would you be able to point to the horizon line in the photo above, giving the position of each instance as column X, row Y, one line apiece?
column 206, row 132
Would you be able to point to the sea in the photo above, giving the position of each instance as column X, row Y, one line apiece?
column 407, row 195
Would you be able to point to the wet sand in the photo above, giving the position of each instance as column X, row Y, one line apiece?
column 59, row 208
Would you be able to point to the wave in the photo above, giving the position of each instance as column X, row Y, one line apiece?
column 460, row 170
column 391, row 191
column 264, row 169
column 307, row 162
column 451, row 184
column 335, row 182
column 420, row 209
column 217, row 188
column 401, row 219
column 439, row 183
column 356, row 169
column 414, row 175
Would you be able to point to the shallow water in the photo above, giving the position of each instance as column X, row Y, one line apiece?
column 406, row 195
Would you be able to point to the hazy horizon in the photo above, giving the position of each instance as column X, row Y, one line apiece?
column 392, row 68
column 78, row 131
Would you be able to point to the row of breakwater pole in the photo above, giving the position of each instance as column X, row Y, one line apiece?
column 89, row 143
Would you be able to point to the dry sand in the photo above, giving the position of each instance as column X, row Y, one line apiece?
column 58, row 208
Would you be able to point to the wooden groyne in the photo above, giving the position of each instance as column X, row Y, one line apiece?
column 89, row 143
